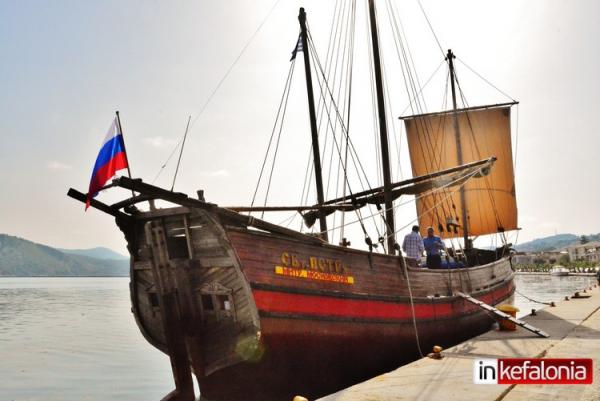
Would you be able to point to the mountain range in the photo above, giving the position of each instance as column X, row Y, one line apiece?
column 20, row 257
column 554, row 242
column 98, row 253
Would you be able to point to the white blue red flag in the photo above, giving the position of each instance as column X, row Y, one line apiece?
column 111, row 159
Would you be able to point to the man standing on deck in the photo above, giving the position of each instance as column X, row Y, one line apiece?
column 413, row 245
column 433, row 246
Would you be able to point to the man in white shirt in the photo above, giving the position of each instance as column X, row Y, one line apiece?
column 413, row 244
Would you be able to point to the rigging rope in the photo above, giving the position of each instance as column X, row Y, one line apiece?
column 356, row 159
column 485, row 80
column 322, row 82
column 431, row 27
column 282, row 103
column 423, row 88
column 277, row 143
column 181, row 153
column 531, row 299
column 414, row 315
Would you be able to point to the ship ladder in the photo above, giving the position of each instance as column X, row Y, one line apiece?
column 503, row 315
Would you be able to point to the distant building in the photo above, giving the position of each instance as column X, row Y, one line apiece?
column 589, row 252
column 529, row 258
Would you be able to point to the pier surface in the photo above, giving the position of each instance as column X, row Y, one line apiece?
column 574, row 328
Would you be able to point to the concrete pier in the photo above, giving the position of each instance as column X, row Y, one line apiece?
column 574, row 328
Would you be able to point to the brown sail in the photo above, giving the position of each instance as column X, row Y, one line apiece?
column 490, row 201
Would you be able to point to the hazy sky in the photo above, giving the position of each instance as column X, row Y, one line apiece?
column 68, row 65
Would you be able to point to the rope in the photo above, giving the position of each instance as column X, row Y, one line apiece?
column 411, row 85
column 423, row 88
column 531, row 299
column 281, row 104
column 316, row 62
column 414, row 317
column 187, row 127
column 287, row 96
column 485, row 80
column 431, row 27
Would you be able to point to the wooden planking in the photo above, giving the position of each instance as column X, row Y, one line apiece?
column 385, row 277
column 142, row 265
column 215, row 262
column 218, row 261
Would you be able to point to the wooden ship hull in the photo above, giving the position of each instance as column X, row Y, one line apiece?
column 262, row 315
column 259, row 311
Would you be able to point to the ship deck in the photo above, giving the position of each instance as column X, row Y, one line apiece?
column 574, row 328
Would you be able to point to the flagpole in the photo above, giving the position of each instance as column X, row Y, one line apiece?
column 124, row 149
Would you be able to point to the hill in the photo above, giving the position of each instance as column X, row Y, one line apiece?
column 554, row 242
column 20, row 257
column 98, row 253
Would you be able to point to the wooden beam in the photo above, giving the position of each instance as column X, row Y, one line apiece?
column 182, row 199
column 463, row 110
column 103, row 207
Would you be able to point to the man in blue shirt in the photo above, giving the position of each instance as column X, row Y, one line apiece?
column 433, row 246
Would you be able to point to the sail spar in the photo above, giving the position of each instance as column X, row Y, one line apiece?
column 491, row 205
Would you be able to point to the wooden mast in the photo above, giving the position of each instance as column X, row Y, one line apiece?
column 313, row 122
column 383, row 136
column 459, row 157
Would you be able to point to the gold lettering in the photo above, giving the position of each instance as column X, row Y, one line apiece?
column 338, row 266
column 295, row 262
column 313, row 263
column 322, row 264
column 285, row 259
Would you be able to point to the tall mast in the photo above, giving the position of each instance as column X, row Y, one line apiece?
column 383, row 136
column 313, row 123
column 459, row 158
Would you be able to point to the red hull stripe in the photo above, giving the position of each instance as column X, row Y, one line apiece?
column 316, row 305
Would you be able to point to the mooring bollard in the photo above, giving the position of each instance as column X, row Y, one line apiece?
column 437, row 352
column 505, row 324
column 533, row 312
column 552, row 304
column 566, row 297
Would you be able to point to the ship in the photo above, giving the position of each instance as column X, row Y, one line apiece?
column 257, row 310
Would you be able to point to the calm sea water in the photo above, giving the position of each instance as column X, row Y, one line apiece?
column 76, row 339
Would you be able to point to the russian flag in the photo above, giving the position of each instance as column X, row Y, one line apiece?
column 111, row 159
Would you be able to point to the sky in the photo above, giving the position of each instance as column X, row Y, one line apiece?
column 67, row 66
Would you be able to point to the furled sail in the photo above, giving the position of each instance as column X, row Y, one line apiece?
column 434, row 144
column 426, row 183
column 438, row 180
